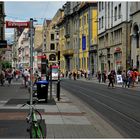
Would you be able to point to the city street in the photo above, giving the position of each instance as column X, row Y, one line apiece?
column 119, row 106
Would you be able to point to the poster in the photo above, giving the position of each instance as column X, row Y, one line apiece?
column 119, row 79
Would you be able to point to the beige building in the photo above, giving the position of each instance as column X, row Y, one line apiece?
column 51, row 38
column 38, row 42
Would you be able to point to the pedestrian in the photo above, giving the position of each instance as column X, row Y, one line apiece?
column 111, row 79
column 124, row 79
column 99, row 76
column 88, row 74
column 2, row 77
column 9, row 76
column 25, row 77
column 104, row 76
column 74, row 75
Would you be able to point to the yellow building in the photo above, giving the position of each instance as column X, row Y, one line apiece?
column 78, row 25
column 88, row 36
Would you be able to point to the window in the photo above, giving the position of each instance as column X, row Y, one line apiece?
column 119, row 12
column 115, row 14
column 99, row 6
column 52, row 57
column 108, row 14
column 99, row 23
column 84, row 20
column 52, row 47
column 57, row 35
column 52, row 36
column 87, row 18
column 80, row 22
column 102, row 22
column 102, row 5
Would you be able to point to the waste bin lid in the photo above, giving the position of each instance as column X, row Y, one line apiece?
column 45, row 82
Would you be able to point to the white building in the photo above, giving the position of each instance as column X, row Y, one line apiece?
column 24, row 49
column 113, row 39
column 135, row 34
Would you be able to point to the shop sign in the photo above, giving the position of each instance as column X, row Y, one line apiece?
column 12, row 24
column 117, row 49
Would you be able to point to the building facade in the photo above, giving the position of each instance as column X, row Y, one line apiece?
column 88, row 37
column 113, row 36
column 135, row 34
column 38, row 44
column 51, row 38
column 2, row 28
column 78, row 24
column 23, row 50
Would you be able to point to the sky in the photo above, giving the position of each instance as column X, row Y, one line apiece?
column 24, row 10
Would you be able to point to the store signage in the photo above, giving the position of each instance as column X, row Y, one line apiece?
column 117, row 49
column 3, row 43
column 12, row 24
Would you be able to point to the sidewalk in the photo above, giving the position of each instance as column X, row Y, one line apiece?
column 67, row 118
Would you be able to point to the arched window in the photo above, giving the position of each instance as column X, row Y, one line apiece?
column 52, row 57
column 136, row 29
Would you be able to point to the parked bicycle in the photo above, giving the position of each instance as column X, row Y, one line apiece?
column 34, row 120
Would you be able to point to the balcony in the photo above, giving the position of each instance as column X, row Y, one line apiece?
column 68, row 52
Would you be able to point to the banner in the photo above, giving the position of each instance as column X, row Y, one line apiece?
column 83, row 42
column 119, row 79
column 12, row 24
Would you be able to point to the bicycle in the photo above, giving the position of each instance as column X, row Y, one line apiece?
column 35, row 130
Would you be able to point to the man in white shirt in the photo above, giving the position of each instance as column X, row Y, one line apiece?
column 25, row 74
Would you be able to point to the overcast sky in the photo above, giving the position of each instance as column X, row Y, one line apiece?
column 17, row 11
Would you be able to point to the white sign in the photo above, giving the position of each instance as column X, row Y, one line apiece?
column 119, row 79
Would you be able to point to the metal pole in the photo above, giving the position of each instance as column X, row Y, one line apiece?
column 50, row 82
column 58, row 83
column 31, row 61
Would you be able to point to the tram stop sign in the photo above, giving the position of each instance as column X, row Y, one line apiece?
column 3, row 43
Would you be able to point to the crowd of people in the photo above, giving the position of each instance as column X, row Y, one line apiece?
column 7, row 75
column 78, row 74
column 129, row 78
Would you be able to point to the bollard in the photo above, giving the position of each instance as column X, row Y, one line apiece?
column 58, row 90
